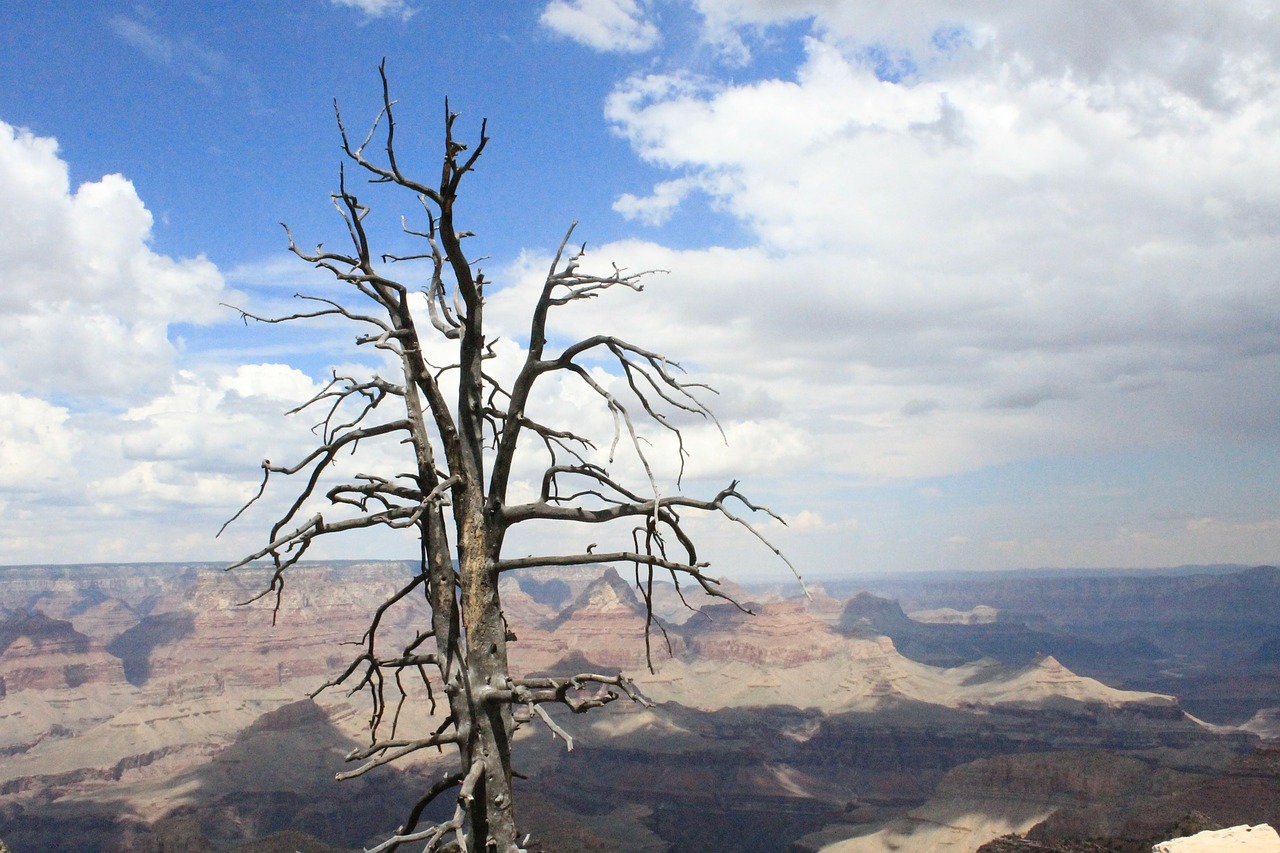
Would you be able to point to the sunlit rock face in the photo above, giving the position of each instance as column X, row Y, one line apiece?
column 606, row 625
column 783, row 633
column 259, row 644
column 1236, row 839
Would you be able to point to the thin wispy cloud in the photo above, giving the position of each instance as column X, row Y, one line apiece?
column 183, row 55
column 379, row 8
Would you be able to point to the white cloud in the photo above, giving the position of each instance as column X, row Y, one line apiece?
column 809, row 521
column 604, row 25
column 656, row 208
column 379, row 8
column 157, row 488
column 1188, row 44
column 184, row 54
column 37, row 448
column 153, row 44
column 997, row 261
column 85, row 314
column 86, row 304
column 1030, row 249
column 223, row 422
column 1215, row 527
column 969, row 235
column 168, row 471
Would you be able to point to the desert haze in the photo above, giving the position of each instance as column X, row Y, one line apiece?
column 142, row 709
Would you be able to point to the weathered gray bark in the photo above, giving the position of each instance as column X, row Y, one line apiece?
column 460, row 516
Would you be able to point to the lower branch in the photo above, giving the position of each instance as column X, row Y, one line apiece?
column 535, row 692
column 435, row 836
column 395, row 750
column 592, row 559
column 555, row 727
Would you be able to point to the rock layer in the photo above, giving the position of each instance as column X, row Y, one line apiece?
column 772, row 726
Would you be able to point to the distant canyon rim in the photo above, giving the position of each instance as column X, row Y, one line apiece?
column 142, row 709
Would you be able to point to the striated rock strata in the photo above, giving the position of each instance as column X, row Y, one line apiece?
column 40, row 653
column 801, row 720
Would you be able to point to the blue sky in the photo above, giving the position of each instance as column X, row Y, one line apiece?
column 982, row 285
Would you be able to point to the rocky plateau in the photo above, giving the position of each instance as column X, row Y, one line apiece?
column 141, row 708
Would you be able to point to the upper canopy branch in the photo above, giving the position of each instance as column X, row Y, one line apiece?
column 560, row 287
column 357, row 270
column 554, row 508
column 334, row 309
column 323, row 457
column 453, row 168
column 339, row 390
column 392, row 172
column 658, row 511
column 650, row 376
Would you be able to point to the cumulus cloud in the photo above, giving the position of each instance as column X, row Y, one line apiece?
column 657, row 207
column 971, row 234
column 101, row 425
column 196, row 448
column 86, row 305
column 37, row 449
column 1187, row 45
column 809, row 521
column 158, row 480
column 221, row 422
column 605, row 25
column 1030, row 246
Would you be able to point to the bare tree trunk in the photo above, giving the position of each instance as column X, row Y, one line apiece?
column 460, row 567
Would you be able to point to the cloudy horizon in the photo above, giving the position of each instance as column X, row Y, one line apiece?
column 979, row 286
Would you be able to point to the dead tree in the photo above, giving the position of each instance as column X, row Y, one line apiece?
column 460, row 449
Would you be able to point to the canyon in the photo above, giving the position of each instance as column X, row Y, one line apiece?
column 143, row 708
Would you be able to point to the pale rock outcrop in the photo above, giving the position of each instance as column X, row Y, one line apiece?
column 1265, row 724
column 980, row 615
column 1237, row 839
column 823, row 605
column 103, row 621
column 31, row 665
